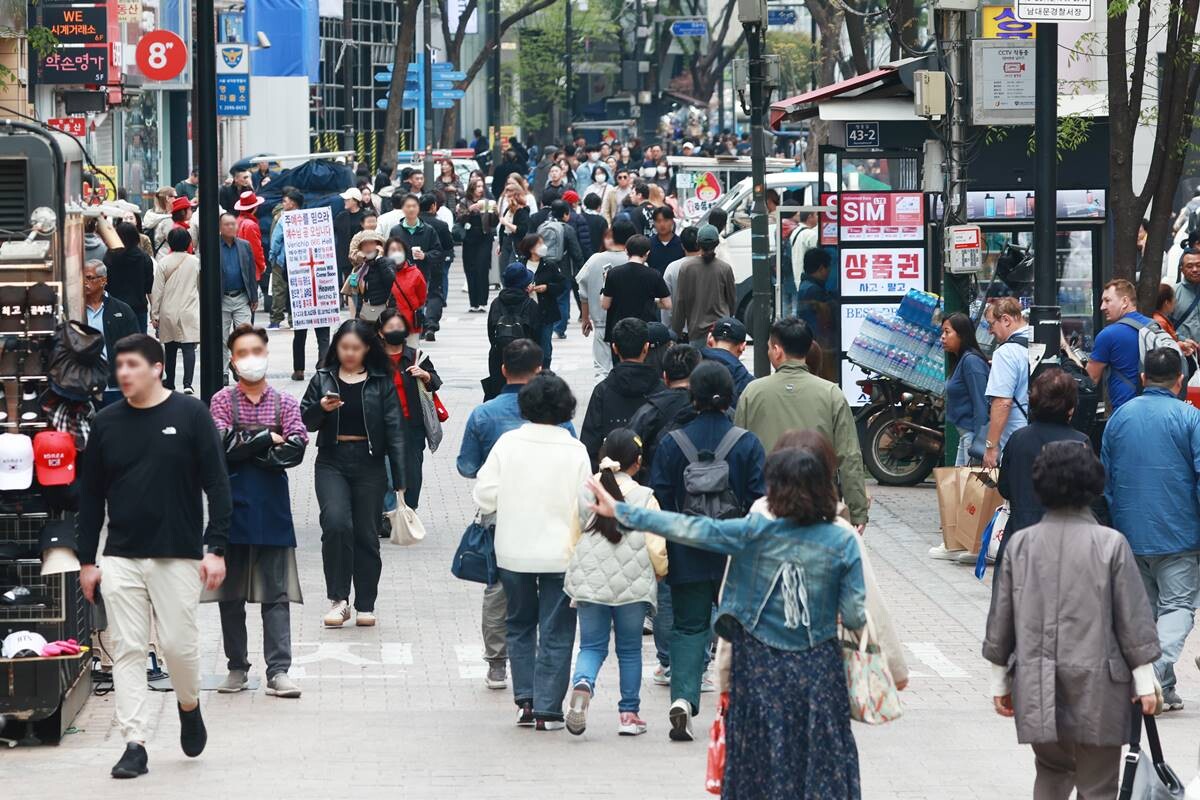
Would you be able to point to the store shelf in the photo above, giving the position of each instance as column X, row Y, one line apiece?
column 83, row 651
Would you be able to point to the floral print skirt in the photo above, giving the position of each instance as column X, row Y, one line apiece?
column 788, row 732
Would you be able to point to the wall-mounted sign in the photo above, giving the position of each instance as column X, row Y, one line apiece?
column 1005, row 84
column 76, row 24
column 82, row 53
column 999, row 22
column 233, row 59
column 881, row 216
column 161, row 55
column 1018, row 204
column 129, row 11
column 827, row 222
column 863, row 134
column 231, row 27
column 1055, row 10
column 233, row 95
column 76, row 126
column 882, row 270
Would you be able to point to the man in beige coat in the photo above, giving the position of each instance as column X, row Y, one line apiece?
column 175, row 306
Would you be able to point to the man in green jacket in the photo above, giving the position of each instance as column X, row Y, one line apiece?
column 795, row 399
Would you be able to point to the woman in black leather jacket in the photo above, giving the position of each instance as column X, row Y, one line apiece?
column 351, row 403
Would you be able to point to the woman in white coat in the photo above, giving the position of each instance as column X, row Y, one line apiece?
column 175, row 306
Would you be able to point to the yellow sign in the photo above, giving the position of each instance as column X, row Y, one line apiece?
column 999, row 22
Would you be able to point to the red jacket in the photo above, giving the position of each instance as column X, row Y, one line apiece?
column 410, row 291
column 249, row 230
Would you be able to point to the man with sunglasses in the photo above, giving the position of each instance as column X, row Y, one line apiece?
column 614, row 200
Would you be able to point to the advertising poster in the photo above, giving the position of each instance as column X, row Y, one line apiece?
column 852, row 320
column 881, row 216
column 312, row 267
column 828, row 223
column 875, row 271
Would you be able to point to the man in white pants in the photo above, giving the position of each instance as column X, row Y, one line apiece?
column 591, row 283
column 161, row 445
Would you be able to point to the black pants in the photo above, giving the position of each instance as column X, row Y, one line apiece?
column 264, row 295
column 350, row 486
column 435, row 300
column 414, row 458
column 477, row 262
column 189, row 363
column 300, row 339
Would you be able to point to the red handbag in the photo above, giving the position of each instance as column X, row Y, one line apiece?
column 715, row 775
column 442, row 413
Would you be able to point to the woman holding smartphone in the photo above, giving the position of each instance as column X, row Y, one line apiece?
column 352, row 405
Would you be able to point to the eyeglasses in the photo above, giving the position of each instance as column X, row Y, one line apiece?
column 90, row 278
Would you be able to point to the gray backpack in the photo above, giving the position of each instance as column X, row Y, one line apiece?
column 552, row 235
column 707, row 492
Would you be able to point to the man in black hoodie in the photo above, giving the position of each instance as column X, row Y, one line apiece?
column 668, row 409
column 624, row 390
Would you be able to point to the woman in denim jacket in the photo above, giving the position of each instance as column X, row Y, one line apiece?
column 789, row 579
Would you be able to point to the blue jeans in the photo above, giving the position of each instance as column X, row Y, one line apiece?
column 546, row 340
column 595, row 621
column 541, row 634
column 962, row 458
column 664, row 620
column 564, row 308
column 1173, row 586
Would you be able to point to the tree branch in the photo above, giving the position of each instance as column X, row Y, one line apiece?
column 485, row 53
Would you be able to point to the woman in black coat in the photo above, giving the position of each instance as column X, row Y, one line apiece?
column 409, row 366
column 514, row 314
column 478, row 221
column 548, row 283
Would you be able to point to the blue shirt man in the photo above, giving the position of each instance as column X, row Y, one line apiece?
column 1008, row 382
column 487, row 423
column 232, row 279
column 1117, row 346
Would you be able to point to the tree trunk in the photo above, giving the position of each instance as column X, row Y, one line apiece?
column 829, row 22
column 407, row 9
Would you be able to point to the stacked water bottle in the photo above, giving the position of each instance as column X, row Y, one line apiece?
column 905, row 345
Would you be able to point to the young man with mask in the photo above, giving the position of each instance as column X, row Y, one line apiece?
column 263, row 435
column 162, row 445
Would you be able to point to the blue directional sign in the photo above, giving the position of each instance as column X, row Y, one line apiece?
column 452, row 94
column 442, row 85
column 689, row 27
column 781, row 16
column 449, row 74
column 233, row 95
column 443, row 104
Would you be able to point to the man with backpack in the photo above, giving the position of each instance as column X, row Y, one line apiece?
column 563, row 250
column 1008, row 382
column 513, row 315
column 707, row 468
column 622, row 392
column 666, row 409
column 1122, row 346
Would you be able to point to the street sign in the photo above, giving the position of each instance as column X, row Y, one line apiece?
column 443, row 86
column 689, row 28
column 449, row 75
column 781, row 16
column 161, row 55
column 862, row 134
column 76, row 126
column 443, row 104
column 452, row 94
column 233, row 59
column 999, row 23
column 233, row 95
column 1055, row 10
column 384, row 77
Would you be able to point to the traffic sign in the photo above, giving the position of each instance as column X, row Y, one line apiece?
column 452, row 94
column 161, row 55
column 689, row 27
column 449, row 75
column 443, row 104
column 1055, row 10
column 442, row 85
column 781, row 16
column 384, row 77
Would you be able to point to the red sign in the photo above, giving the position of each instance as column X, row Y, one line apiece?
column 881, row 271
column 881, row 216
column 76, row 126
column 828, row 222
column 161, row 55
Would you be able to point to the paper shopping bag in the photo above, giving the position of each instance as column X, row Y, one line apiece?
column 980, row 499
column 949, row 482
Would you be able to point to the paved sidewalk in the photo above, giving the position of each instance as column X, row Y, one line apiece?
column 400, row 710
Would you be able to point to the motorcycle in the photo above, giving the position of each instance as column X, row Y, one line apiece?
column 899, row 431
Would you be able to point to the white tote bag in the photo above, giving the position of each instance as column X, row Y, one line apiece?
column 407, row 528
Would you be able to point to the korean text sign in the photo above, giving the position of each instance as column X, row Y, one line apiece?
column 876, row 271
column 881, row 216
column 312, row 267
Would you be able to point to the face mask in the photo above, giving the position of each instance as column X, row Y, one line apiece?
column 397, row 257
column 662, row 170
column 541, row 250
column 252, row 368
column 395, row 337
column 593, row 156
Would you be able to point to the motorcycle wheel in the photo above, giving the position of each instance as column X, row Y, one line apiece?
column 891, row 456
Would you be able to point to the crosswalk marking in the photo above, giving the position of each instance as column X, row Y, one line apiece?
column 471, row 665
column 931, row 656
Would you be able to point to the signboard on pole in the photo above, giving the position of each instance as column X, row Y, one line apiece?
column 877, row 216
column 999, row 22
column 874, row 271
column 82, row 53
column 686, row 28
column 1055, row 10
column 233, row 95
column 312, row 267
column 1004, row 76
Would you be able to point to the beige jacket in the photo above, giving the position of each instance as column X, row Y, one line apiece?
column 175, row 298
column 881, row 618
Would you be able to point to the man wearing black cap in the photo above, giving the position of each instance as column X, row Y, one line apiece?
column 725, row 345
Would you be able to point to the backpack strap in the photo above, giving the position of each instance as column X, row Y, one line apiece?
column 1132, row 323
column 278, row 413
column 1179, row 320
column 233, row 406
column 685, row 445
column 731, row 438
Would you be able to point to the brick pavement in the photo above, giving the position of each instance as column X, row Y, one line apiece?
column 400, row 709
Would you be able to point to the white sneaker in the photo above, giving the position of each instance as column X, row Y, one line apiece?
column 965, row 557
column 943, row 553
column 339, row 614
column 631, row 724
column 365, row 619
column 661, row 676
column 680, row 715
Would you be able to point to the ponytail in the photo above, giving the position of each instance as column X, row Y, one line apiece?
column 708, row 255
column 621, row 450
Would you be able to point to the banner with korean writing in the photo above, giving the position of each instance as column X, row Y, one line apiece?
column 869, row 272
column 311, row 267
column 881, row 216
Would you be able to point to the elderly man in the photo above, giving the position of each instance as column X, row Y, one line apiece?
column 239, row 289
column 1008, row 381
column 108, row 315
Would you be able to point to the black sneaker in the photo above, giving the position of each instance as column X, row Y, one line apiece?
column 430, row 336
column 132, row 763
column 525, row 715
column 192, row 734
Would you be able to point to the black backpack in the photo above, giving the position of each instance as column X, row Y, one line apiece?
column 509, row 328
column 707, row 491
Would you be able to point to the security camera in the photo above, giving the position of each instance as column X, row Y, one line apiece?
column 263, row 41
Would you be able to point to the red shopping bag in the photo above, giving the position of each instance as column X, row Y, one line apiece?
column 442, row 413
column 715, row 775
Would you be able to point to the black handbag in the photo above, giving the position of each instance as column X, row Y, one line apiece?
column 78, row 369
column 475, row 559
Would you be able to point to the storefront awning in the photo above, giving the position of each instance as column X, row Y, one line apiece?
column 878, row 82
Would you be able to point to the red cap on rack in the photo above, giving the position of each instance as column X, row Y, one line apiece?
column 54, row 458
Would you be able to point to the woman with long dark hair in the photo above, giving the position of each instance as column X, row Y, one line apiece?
column 612, row 580
column 351, row 402
column 966, row 391
column 548, row 283
column 410, row 366
column 477, row 216
column 790, row 578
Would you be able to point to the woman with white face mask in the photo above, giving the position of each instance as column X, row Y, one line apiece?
column 409, row 288
column 263, row 434
column 409, row 366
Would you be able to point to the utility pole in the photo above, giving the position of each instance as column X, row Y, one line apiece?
column 348, row 74
column 427, row 100
column 1046, row 315
column 204, row 101
column 753, row 16
column 568, row 37
column 494, row 86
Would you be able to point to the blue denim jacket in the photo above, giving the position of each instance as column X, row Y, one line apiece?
column 786, row 584
column 487, row 423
